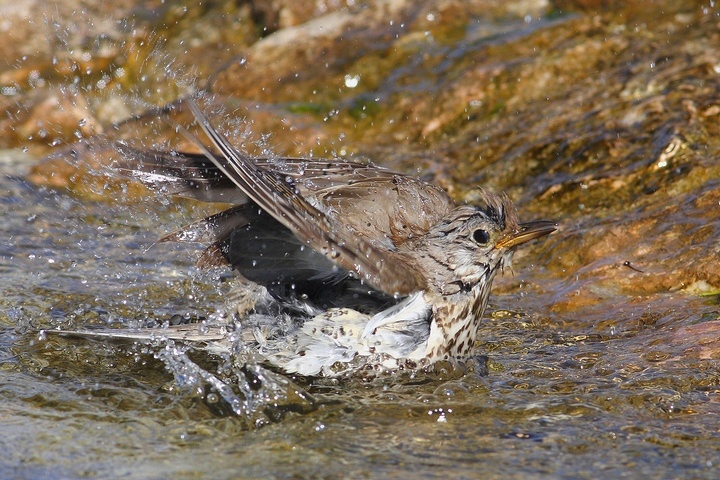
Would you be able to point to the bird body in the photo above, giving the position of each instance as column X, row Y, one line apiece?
column 366, row 265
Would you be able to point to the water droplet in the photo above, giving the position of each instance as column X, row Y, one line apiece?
column 352, row 81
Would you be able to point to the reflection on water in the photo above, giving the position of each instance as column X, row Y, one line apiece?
column 617, row 388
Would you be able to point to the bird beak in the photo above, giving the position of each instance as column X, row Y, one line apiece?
column 526, row 232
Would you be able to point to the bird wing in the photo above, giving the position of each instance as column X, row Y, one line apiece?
column 193, row 175
column 383, row 206
column 181, row 174
column 391, row 272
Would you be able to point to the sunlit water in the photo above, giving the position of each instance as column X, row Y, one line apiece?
column 607, row 396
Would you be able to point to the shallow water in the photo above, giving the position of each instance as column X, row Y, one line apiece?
column 602, row 344
column 586, row 397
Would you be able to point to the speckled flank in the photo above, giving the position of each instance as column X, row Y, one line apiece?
column 455, row 322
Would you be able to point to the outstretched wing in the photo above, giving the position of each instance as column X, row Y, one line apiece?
column 385, row 270
column 384, row 207
column 182, row 174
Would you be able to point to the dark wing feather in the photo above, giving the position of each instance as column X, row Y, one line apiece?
column 214, row 228
column 182, row 174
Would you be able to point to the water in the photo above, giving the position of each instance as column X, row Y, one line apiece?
column 607, row 394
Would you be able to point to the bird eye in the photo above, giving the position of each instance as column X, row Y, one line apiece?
column 480, row 236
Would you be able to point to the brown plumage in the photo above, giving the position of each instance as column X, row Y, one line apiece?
column 332, row 236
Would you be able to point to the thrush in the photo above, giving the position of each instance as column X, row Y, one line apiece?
column 362, row 264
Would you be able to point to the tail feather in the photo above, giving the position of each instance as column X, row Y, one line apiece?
column 213, row 339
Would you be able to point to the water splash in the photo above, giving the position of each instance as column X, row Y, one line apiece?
column 250, row 391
